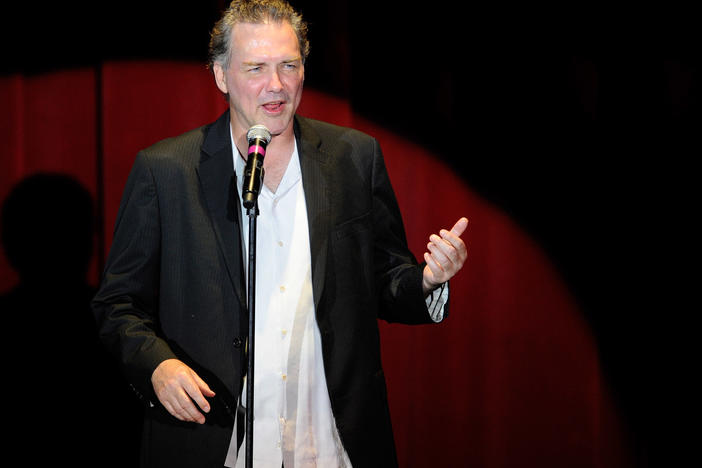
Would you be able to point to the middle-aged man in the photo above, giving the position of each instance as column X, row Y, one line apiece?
column 332, row 258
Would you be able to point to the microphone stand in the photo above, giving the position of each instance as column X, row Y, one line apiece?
column 252, row 213
column 258, row 137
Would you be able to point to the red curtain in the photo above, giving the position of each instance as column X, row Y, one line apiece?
column 512, row 378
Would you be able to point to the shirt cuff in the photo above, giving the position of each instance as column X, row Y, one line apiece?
column 436, row 302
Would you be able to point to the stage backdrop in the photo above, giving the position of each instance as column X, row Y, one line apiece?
column 511, row 379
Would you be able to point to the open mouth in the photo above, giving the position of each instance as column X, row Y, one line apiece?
column 274, row 106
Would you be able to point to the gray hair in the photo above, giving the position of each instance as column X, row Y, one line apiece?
column 257, row 12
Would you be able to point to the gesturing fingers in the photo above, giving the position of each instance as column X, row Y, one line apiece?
column 448, row 250
column 454, row 248
column 446, row 256
column 441, row 252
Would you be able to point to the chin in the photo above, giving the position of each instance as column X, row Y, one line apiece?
column 278, row 125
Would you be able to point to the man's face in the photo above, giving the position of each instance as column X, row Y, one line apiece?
column 264, row 78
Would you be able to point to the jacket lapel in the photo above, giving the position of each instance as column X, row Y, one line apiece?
column 216, row 173
column 222, row 199
column 314, row 164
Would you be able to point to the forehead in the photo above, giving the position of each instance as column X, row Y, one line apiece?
column 266, row 40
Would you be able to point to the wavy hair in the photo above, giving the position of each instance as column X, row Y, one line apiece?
column 257, row 12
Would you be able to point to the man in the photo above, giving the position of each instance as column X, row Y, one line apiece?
column 332, row 258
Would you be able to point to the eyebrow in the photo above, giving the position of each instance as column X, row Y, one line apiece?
column 258, row 64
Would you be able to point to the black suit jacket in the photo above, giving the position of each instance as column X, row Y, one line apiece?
column 173, row 283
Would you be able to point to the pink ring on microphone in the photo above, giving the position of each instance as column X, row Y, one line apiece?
column 257, row 149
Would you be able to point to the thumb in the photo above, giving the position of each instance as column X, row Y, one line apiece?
column 460, row 226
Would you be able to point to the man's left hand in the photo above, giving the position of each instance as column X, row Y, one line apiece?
column 446, row 256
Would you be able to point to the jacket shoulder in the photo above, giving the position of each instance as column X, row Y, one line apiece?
column 185, row 147
column 338, row 142
column 330, row 132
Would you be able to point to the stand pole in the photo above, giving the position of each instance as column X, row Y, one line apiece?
column 252, row 214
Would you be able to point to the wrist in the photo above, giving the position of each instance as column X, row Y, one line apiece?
column 428, row 287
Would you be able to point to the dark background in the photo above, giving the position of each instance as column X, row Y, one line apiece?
column 580, row 122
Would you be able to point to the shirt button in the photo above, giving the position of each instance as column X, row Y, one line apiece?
column 280, row 243
column 284, row 332
column 282, row 289
column 285, row 376
column 237, row 342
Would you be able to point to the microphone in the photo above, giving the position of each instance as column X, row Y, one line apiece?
column 259, row 137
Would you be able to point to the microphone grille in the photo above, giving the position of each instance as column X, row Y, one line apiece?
column 259, row 132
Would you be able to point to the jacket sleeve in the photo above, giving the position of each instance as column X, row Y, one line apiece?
column 126, row 304
column 398, row 275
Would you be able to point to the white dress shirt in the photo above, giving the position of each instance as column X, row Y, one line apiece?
column 293, row 420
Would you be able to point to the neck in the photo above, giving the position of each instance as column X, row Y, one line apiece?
column 278, row 153
column 280, row 146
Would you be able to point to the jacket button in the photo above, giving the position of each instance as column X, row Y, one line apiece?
column 237, row 342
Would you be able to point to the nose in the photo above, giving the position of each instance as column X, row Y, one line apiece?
column 274, row 83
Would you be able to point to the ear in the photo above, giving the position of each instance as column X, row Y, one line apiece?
column 220, row 78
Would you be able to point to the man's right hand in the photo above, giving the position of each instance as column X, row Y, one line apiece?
column 177, row 386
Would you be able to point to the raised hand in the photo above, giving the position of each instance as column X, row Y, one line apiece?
column 446, row 256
